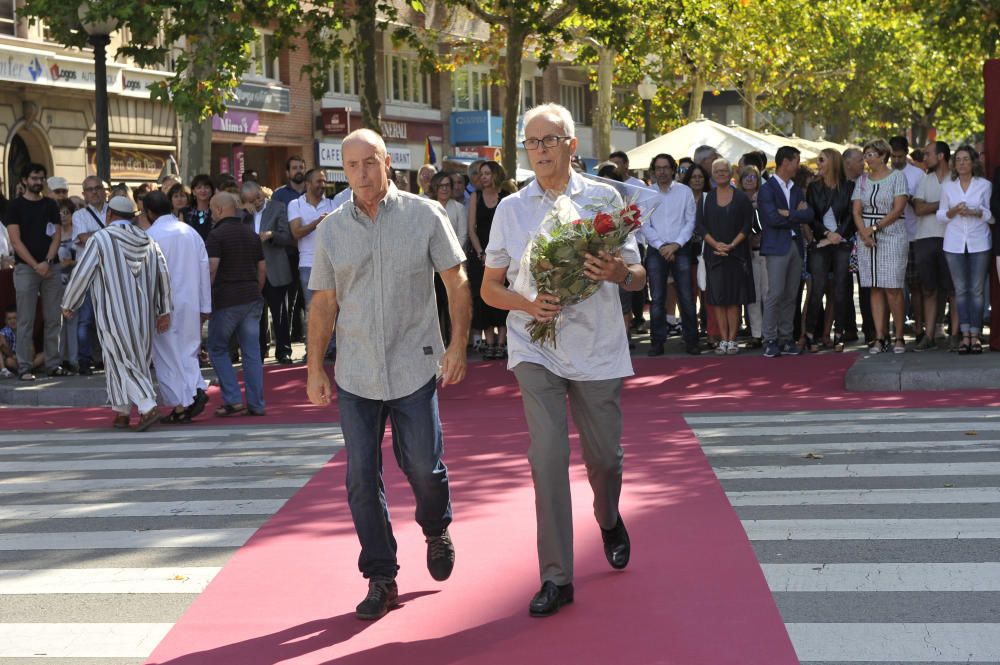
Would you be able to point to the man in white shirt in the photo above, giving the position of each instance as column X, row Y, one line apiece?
column 620, row 159
column 86, row 222
column 914, row 175
column 587, row 363
column 175, row 351
column 667, row 230
column 928, row 243
column 304, row 215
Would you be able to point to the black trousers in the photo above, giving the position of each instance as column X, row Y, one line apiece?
column 276, row 298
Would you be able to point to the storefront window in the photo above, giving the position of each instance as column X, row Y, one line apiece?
column 405, row 82
column 263, row 58
column 527, row 94
column 470, row 89
column 8, row 20
column 344, row 78
column 571, row 96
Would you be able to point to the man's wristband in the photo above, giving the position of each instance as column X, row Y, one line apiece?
column 627, row 282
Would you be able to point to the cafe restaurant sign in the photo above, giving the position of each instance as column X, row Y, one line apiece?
column 131, row 164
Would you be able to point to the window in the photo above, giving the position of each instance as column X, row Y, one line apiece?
column 8, row 20
column 527, row 94
column 263, row 58
column 405, row 82
column 470, row 89
column 571, row 96
column 344, row 78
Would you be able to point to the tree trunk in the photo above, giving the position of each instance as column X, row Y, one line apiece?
column 605, row 102
column 698, row 87
column 366, row 34
column 799, row 123
column 511, row 102
column 749, row 107
column 196, row 148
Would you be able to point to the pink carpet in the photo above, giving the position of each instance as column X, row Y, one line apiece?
column 692, row 595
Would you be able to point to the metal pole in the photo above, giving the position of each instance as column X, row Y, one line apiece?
column 647, row 118
column 100, row 44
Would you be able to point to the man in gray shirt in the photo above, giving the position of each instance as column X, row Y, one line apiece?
column 373, row 277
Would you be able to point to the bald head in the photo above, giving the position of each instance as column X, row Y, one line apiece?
column 224, row 204
column 365, row 137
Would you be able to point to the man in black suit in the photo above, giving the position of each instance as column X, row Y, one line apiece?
column 270, row 221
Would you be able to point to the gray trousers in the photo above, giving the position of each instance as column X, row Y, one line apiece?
column 28, row 285
column 596, row 411
column 780, row 306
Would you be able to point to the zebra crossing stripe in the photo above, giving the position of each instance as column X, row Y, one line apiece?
column 25, row 485
column 879, row 415
column 100, row 540
column 180, row 579
column 860, row 470
column 882, row 577
column 850, row 497
column 80, row 640
column 165, row 463
column 896, row 642
column 872, row 529
column 140, row 509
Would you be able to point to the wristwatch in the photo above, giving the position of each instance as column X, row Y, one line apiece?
column 627, row 282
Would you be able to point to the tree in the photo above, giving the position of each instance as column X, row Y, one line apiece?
column 519, row 20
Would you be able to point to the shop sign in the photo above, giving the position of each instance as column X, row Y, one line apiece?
column 328, row 154
column 19, row 67
column 336, row 122
column 132, row 164
column 399, row 158
column 78, row 75
column 138, row 82
column 256, row 97
column 475, row 128
column 393, row 129
column 236, row 122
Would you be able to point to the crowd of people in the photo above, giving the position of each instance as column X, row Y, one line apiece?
column 776, row 255
column 773, row 256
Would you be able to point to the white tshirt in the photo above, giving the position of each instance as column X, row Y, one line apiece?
column 84, row 222
column 591, row 344
column 301, row 209
column 913, row 176
column 929, row 191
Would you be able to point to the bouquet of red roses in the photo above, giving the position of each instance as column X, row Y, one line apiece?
column 555, row 258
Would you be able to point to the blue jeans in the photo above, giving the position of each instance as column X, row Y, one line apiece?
column 968, row 273
column 307, row 294
column 85, row 331
column 244, row 320
column 657, row 271
column 418, row 444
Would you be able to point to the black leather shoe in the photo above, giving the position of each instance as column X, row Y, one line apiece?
column 656, row 349
column 617, row 547
column 550, row 598
column 382, row 595
column 692, row 350
column 198, row 405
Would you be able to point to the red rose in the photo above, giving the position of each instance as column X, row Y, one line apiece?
column 604, row 223
column 578, row 222
column 632, row 215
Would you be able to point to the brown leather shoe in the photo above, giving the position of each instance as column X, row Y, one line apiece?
column 120, row 422
column 147, row 419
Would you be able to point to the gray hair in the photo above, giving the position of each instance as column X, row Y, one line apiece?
column 249, row 188
column 851, row 153
column 703, row 152
column 560, row 114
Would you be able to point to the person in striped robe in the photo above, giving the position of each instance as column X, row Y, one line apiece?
column 128, row 278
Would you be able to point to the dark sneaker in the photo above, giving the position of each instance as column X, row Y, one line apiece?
column 771, row 349
column 655, row 349
column 383, row 594
column 790, row 349
column 440, row 556
column 617, row 547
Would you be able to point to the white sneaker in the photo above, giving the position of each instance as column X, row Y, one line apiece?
column 720, row 350
column 733, row 349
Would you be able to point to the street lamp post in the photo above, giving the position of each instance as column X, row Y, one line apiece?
column 99, row 31
column 647, row 90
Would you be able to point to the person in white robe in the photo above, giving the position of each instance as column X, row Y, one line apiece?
column 130, row 286
column 175, row 352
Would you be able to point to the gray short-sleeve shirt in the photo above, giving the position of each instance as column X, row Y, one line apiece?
column 388, row 337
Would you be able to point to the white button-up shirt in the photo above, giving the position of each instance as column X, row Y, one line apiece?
column 84, row 222
column 301, row 209
column 673, row 218
column 257, row 215
column 591, row 344
column 966, row 233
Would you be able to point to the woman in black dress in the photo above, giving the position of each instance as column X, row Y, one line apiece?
column 725, row 222
column 482, row 206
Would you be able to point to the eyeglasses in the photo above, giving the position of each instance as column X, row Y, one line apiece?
column 871, row 155
column 547, row 141
column 750, row 176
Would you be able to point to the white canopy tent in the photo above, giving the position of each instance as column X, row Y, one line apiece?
column 731, row 142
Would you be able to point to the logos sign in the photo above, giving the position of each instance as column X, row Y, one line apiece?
column 256, row 97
